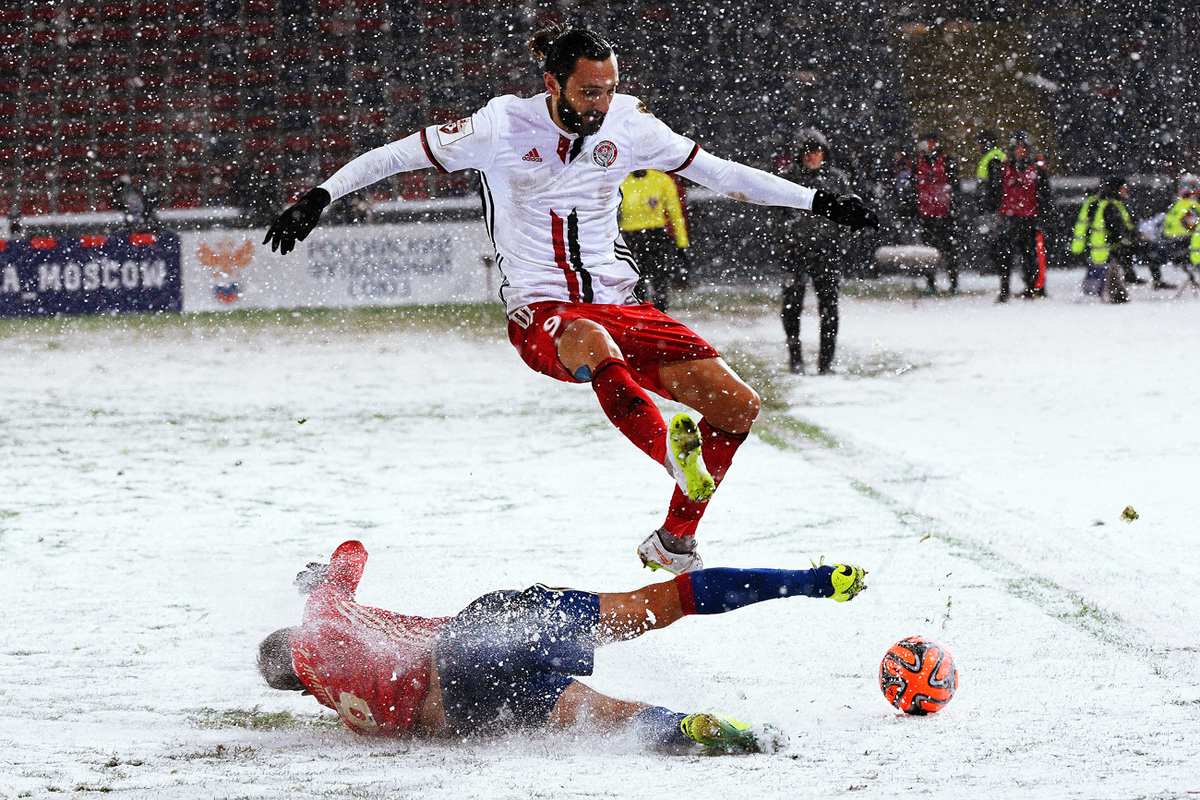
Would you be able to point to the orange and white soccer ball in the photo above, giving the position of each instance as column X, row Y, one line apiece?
column 918, row 675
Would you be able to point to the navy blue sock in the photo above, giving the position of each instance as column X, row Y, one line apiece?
column 658, row 728
column 715, row 591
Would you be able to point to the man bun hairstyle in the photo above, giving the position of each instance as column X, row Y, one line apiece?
column 560, row 47
column 275, row 662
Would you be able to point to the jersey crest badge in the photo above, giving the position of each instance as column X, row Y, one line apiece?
column 451, row 132
column 604, row 154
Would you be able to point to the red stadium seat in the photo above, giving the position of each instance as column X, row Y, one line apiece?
column 186, row 147
column 33, row 203
column 185, row 195
column 414, row 186
column 73, row 203
column 335, row 141
column 116, row 11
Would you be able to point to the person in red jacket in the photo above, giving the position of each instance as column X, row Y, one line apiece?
column 935, row 173
column 1020, row 185
column 508, row 661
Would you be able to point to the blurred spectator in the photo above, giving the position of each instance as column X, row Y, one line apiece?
column 815, row 250
column 1021, row 186
column 1113, row 238
column 649, row 207
column 936, row 178
column 1181, row 233
column 137, row 201
column 986, row 221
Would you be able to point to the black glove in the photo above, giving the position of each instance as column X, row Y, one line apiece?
column 846, row 209
column 297, row 222
column 311, row 578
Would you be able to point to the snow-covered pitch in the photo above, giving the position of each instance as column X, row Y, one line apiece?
column 162, row 481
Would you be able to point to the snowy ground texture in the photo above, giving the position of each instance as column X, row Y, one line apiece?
column 161, row 482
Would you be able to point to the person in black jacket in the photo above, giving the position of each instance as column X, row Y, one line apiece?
column 813, row 251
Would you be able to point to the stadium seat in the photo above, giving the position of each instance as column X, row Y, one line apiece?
column 33, row 203
column 72, row 203
column 414, row 186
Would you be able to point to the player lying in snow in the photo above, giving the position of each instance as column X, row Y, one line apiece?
column 506, row 661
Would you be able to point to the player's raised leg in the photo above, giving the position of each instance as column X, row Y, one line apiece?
column 589, row 353
column 729, row 406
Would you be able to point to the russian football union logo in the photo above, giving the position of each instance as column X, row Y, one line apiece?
column 225, row 262
column 604, row 154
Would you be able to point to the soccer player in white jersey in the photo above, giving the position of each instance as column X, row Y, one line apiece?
column 551, row 168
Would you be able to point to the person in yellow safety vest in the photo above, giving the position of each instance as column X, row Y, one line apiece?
column 1111, row 239
column 1083, row 226
column 1180, row 226
column 649, row 199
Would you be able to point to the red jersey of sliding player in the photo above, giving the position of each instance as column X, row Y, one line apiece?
column 368, row 664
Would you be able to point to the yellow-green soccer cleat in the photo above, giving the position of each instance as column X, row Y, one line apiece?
column 847, row 581
column 718, row 735
column 684, row 460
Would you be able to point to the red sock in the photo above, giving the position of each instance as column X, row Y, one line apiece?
column 630, row 408
column 718, row 449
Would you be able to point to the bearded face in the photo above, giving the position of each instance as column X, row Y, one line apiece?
column 584, row 124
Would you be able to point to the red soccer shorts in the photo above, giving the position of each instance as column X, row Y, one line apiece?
column 646, row 337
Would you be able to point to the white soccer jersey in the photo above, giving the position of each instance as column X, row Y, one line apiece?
column 551, row 199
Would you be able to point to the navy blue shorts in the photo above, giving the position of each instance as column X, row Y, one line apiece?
column 505, row 659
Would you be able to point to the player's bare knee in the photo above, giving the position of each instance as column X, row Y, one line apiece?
column 585, row 343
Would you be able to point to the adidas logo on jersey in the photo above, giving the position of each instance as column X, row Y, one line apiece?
column 532, row 155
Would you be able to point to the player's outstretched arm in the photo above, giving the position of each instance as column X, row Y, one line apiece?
column 755, row 186
column 297, row 222
column 293, row 225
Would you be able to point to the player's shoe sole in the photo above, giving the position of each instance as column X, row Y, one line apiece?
column 685, row 461
column 655, row 555
column 719, row 735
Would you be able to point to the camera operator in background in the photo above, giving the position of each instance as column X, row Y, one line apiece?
column 813, row 250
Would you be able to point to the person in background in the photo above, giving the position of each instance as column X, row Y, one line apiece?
column 1180, row 230
column 1021, row 186
column 986, row 222
column 1113, row 237
column 653, row 226
column 813, row 251
column 508, row 661
column 936, row 176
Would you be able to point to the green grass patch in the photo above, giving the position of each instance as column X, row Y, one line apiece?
column 254, row 719
column 782, row 430
column 476, row 319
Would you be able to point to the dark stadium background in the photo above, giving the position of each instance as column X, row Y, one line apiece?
column 216, row 105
